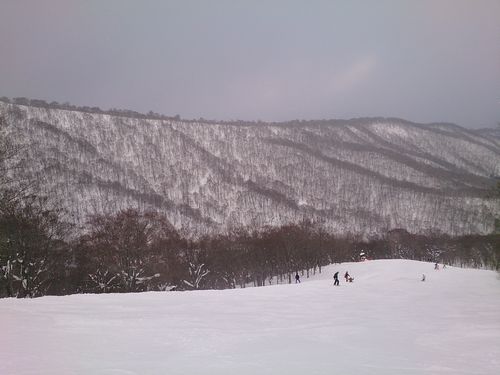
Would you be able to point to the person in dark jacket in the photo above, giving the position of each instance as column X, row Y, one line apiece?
column 297, row 278
column 347, row 276
column 336, row 278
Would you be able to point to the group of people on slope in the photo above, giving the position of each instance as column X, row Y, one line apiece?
column 436, row 268
column 347, row 277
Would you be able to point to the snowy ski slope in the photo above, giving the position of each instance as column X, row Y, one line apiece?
column 386, row 322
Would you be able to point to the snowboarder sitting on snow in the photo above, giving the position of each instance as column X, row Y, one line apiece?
column 297, row 278
column 336, row 278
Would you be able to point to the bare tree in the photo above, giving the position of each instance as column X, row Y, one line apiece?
column 123, row 252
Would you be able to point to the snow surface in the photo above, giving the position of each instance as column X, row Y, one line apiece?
column 386, row 322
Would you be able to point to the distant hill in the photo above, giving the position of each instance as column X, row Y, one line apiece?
column 363, row 176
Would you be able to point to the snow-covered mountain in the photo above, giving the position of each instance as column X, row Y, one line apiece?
column 386, row 322
column 361, row 176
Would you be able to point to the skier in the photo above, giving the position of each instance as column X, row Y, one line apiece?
column 423, row 277
column 436, row 267
column 444, row 266
column 336, row 278
column 297, row 278
column 346, row 276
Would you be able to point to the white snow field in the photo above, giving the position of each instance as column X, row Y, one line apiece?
column 386, row 322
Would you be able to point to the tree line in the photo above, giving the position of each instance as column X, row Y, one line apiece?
column 39, row 103
column 132, row 251
column 152, row 115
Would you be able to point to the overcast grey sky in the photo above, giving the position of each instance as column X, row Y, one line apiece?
column 436, row 60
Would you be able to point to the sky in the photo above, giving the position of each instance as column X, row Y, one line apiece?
column 270, row 60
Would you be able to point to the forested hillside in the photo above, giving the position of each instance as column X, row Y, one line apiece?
column 361, row 176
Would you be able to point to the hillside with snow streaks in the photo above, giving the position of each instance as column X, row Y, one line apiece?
column 362, row 176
